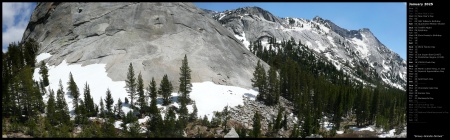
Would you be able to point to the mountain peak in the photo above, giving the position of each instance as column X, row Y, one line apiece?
column 317, row 19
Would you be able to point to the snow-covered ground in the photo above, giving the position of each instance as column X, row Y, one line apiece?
column 368, row 128
column 208, row 96
column 94, row 75
column 391, row 134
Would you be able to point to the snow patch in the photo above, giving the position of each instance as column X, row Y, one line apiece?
column 331, row 41
column 221, row 16
column 210, row 97
column 96, row 77
column 42, row 56
column 361, row 47
column 320, row 46
column 368, row 128
column 244, row 40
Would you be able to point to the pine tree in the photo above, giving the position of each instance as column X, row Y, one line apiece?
column 256, row 125
column 375, row 104
column 131, row 84
column 273, row 87
column 169, row 123
column 73, row 88
column 109, row 101
column 81, row 118
column 120, row 113
column 102, row 109
column 88, row 102
column 44, row 73
column 193, row 115
column 295, row 132
column 141, row 99
column 108, row 129
column 155, row 126
column 51, row 107
column 28, row 93
column 259, row 81
column 135, row 129
column 61, row 106
column 278, row 120
column 185, row 81
column 153, row 93
column 165, row 89
column 225, row 117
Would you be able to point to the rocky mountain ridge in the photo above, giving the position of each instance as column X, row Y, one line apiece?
column 357, row 52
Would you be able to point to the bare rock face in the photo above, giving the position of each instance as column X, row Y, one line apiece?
column 154, row 37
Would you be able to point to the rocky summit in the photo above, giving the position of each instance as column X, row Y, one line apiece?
column 154, row 37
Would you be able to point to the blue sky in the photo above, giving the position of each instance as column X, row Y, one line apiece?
column 387, row 21
column 15, row 17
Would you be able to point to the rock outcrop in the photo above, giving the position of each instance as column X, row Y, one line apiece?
column 154, row 37
column 231, row 134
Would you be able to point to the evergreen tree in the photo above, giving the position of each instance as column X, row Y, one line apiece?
column 375, row 104
column 81, row 118
column 89, row 102
column 108, row 129
column 277, row 125
column 295, row 133
column 169, row 123
column 131, row 84
column 44, row 73
column 273, row 87
column 165, row 89
column 185, row 81
column 51, row 108
column 153, row 93
column 225, row 117
column 155, row 126
column 135, row 129
column 61, row 106
column 141, row 99
column 306, row 127
column 73, row 88
column 102, row 109
column 28, row 93
column 120, row 113
column 259, row 81
column 256, row 125
column 109, row 102
column 126, row 101
column 193, row 115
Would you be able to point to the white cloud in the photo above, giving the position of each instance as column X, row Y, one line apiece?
column 15, row 17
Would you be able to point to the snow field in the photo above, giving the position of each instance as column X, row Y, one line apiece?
column 208, row 96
